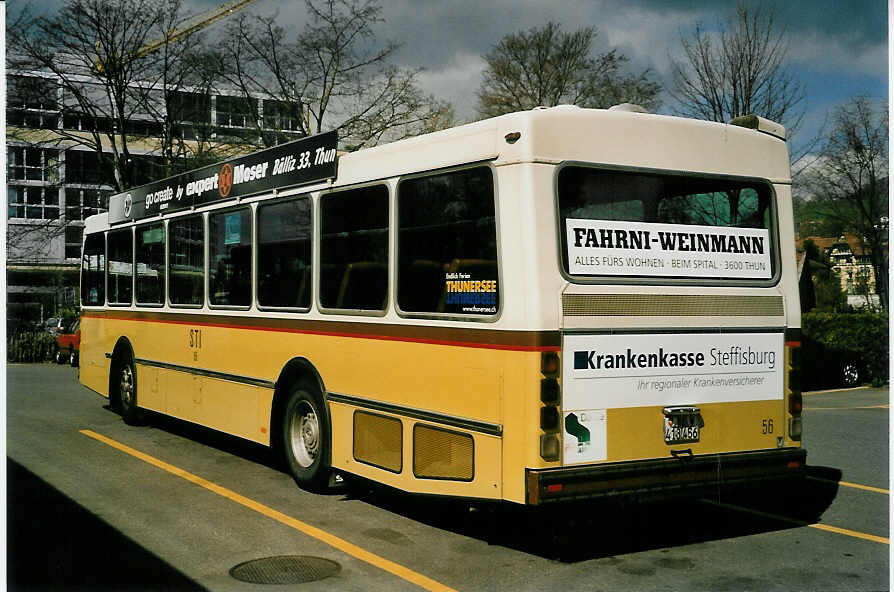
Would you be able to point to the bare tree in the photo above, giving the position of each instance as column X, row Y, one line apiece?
column 92, row 48
column 548, row 66
column 332, row 75
column 848, row 182
column 738, row 70
column 101, row 80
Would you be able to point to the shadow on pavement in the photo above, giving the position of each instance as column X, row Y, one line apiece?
column 53, row 543
column 578, row 531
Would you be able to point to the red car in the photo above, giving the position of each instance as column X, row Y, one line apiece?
column 68, row 342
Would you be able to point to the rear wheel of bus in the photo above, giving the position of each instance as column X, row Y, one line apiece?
column 305, row 437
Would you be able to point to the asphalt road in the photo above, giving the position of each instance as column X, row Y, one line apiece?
column 95, row 504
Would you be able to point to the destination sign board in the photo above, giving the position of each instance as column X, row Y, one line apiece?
column 303, row 161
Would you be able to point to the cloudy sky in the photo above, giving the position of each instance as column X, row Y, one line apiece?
column 837, row 49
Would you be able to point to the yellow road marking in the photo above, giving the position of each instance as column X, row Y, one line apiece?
column 319, row 534
column 854, row 485
column 826, row 527
column 851, row 533
column 866, row 487
column 809, row 408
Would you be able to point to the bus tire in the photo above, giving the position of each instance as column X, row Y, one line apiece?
column 126, row 384
column 305, row 437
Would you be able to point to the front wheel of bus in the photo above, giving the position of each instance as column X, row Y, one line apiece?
column 127, row 392
column 305, row 438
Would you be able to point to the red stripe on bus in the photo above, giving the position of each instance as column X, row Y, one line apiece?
column 380, row 337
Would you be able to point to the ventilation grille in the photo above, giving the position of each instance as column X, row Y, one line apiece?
column 378, row 441
column 442, row 454
column 579, row 305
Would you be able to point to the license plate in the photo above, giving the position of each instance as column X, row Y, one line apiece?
column 682, row 425
column 680, row 435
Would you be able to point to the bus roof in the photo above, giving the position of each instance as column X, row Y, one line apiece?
column 567, row 133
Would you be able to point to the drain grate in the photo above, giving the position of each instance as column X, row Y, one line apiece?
column 285, row 569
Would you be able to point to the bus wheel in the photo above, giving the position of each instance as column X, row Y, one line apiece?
column 127, row 392
column 73, row 359
column 305, row 438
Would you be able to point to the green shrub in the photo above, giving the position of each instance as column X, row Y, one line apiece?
column 859, row 336
column 30, row 346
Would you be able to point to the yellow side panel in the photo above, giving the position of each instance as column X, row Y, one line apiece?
column 151, row 388
column 94, row 367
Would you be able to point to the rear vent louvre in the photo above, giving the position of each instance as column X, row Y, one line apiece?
column 442, row 454
column 579, row 305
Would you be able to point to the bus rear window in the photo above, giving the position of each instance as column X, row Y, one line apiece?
column 650, row 225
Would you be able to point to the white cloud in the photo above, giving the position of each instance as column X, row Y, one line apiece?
column 832, row 54
column 456, row 82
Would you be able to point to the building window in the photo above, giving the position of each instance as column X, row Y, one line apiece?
column 282, row 116
column 80, row 203
column 236, row 111
column 32, row 101
column 32, row 164
column 32, row 202
column 86, row 167
column 73, row 237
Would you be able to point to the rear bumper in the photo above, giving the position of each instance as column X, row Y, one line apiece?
column 663, row 477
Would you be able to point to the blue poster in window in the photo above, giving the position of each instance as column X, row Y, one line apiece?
column 232, row 228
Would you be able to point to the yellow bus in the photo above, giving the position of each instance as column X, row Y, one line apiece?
column 547, row 305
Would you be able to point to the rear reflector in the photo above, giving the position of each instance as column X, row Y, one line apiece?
column 549, row 447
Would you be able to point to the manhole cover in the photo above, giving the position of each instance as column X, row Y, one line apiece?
column 285, row 569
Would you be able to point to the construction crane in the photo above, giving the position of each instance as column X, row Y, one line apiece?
column 191, row 25
column 199, row 22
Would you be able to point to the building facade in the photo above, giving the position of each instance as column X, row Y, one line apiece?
column 55, row 181
column 851, row 261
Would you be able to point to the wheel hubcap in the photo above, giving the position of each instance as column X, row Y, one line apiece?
column 126, row 387
column 304, row 433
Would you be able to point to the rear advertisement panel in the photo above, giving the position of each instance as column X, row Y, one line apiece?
column 603, row 372
column 614, row 248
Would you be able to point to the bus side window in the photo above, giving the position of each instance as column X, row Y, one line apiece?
column 354, row 249
column 150, row 240
column 93, row 271
column 120, row 277
column 186, row 261
column 447, row 244
column 284, row 255
column 229, row 270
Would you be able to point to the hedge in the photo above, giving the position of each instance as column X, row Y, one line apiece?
column 30, row 346
column 838, row 336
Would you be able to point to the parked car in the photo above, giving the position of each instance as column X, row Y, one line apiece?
column 68, row 343
column 824, row 368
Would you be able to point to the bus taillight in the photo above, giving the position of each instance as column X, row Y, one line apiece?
column 551, row 398
column 793, row 385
